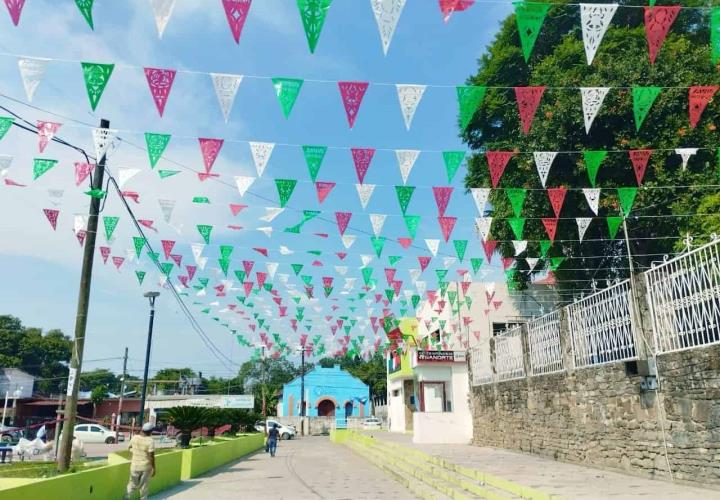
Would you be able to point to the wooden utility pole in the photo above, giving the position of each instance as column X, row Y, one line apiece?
column 122, row 393
column 82, row 314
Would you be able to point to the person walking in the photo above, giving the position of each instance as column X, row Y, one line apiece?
column 273, row 437
column 142, row 465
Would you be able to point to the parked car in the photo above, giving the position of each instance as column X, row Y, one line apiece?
column 10, row 435
column 372, row 423
column 286, row 431
column 94, row 433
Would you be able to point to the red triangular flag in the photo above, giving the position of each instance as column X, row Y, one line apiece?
column 236, row 12
column 657, row 24
column 465, row 285
column 236, row 209
column 424, row 261
column 497, row 161
column 699, row 99
column 105, row 252
column 557, row 197
column 210, row 149
column 341, row 255
column 447, row 224
column 390, row 274
column 528, row 99
column 362, row 159
column 432, row 296
column 323, row 189
column 118, row 261
column 405, row 242
column 442, row 198
column 261, row 277
column 489, row 246
column 639, row 159
column 15, row 8
column 160, row 82
column 247, row 266
column 167, row 247
column 343, row 219
column 507, row 262
column 261, row 251
column 52, row 216
column 352, row 94
column 248, row 285
column 82, row 171
column 176, row 258
column 191, row 271
column 550, row 227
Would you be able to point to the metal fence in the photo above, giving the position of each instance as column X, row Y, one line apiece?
column 480, row 363
column 684, row 298
column 546, row 354
column 509, row 355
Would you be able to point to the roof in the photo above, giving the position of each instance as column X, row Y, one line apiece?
column 319, row 371
column 52, row 402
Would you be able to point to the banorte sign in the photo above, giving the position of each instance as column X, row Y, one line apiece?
column 441, row 356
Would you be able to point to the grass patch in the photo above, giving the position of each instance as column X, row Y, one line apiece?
column 43, row 469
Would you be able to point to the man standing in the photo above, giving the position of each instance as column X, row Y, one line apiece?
column 142, row 465
column 273, row 436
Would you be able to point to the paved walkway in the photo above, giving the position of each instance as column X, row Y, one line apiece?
column 566, row 480
column 310, row 468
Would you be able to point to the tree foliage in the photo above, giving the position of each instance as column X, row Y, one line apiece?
column 558, row 62
column 371, row 372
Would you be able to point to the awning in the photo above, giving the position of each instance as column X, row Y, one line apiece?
column 46, row 402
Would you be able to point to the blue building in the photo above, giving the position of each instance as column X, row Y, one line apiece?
column 329, row 392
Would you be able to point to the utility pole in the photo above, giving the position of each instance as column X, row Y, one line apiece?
column 264, row 403
column 151, row 296
column 82, row 314
column 122, row 393
column 58, row 418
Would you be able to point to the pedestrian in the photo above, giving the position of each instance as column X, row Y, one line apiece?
column 142, row 465
column 273, row 437
column 42, row 434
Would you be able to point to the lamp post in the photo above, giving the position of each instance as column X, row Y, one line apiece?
column 302, row 349
column 16, row 395
column 151, row 296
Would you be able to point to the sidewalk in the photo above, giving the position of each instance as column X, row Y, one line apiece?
column 558, row 478
column 308, row 468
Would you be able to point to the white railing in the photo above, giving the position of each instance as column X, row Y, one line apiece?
column 509, row 355
column 602, row 327
column 684, row 299
column 546, row 355
column 480, row 363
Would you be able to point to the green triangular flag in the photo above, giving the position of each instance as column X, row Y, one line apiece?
column 593, row 159
column 627, row 198
column 412, row 222
column 643, row 99
column 315, row 252
column 314, row 156
column 390, row 294
column 442, row 324
column 296, row 300
column 517, row 224
column 240, row 275
column 544, row 247
column 469, row 100
column 517, row 199
column 366, row 274
column 328, row 290
column 287, row 90
column 224, row 265
column 285, row 188
column 476, row 262
column 42, row 165
column 460, row 248
column 5, row 124
column 268, row 286
column 296, row 268
column 441, row 274
column 96, row 79
column 307, row 279
column 110, row 224
column 452, row 295
column 378, row 244
column 85, row 7
column 205, row 231
column 715, row 34
column 555, row 262
column 468, row 301
column 225, row 251
column 443, row 287
column 529, row 18
column 164, row 174
column 96, row 193
column 204, row 282
column 140, row 276
column 453, row 160
column 201, row 199
column 394, row 259
column 166, row 268
column 415, row 300
column 404, row 195
column 154, row 256
column 613, row 225
column 139, row 243
column 156, row 144
column 313, row 14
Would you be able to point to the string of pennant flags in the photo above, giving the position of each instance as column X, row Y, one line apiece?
column 595, row 19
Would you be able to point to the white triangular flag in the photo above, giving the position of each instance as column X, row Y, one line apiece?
column 409, row 97
column 125, row 174
column 32, row 72
column 490, row 287
column 421, row 286
column 543, row 162
column 592, row 100
column 272, row 269
column 592, row 195
column 365, row 259
column 480, row 195
column 387, row 13
column 243, row 183
column 162, row 9
column 414, row 274
column 377, row 221
column 285, row 250
column 283, row 278
column 226, row 87
column 532, row 262
column 433, row 246
column 582, row 224
column 595, row 19
column 341, row 270
column 350, row 283
column 5, row 162
column 685, row 154
column 365, row 191
column 267, row 231
column 102, row 138
column 348, row 240
column 201, row 261
column 261, row 152
column 406, row 159
column 520, row 246
column 80, row 223
column 448, row 261
column 167, row 207
column 55, row 196
column 482, row 224
column 271, row 213
column 197, row 250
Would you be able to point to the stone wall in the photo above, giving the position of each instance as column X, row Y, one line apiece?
column 599, row 416
column 320, row 425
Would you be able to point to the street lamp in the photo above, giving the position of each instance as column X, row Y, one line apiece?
column 302, row 349
column 151, row 296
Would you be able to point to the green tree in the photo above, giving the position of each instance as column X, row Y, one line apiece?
column 97, row 396
column 558, row 62
column 99, row 377
column 272, row 373
column 169, row 378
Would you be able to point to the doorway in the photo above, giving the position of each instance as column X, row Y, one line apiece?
column 348, row 409
column 326, row 408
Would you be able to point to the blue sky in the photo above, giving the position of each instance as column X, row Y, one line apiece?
column 41, row 268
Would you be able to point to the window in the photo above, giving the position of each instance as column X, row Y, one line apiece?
column 498, row 328
column 81, row 428
column 396, row 393
column 95, row 428
column 433, row 397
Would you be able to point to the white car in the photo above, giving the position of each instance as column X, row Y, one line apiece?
column 94, row 433
column 286, row 431
column 372, row 423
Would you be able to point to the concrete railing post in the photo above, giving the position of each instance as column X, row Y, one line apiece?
column 566, row 343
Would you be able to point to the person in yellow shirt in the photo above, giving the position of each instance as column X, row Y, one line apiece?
column 142, row 465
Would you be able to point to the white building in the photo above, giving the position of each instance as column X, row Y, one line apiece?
column 16, row 383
